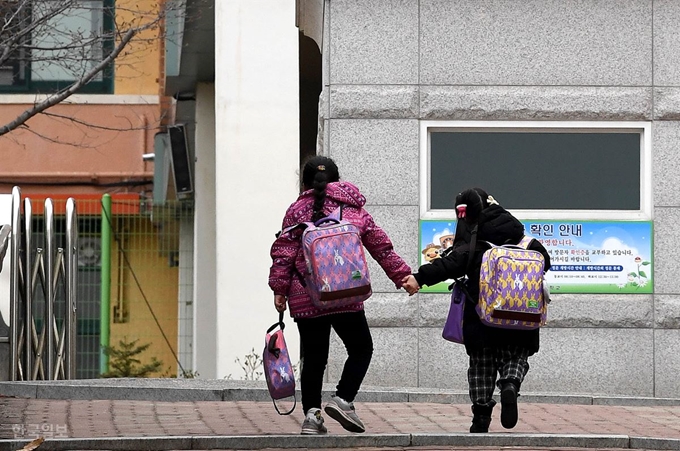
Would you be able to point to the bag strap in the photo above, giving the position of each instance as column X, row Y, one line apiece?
column 337, row 213
column 334, row 216
column 460, row 281
column 523, row 243
column 280, row 324
column 302, row 225
column 473, row 246
column 288, row 412
column 271, row 345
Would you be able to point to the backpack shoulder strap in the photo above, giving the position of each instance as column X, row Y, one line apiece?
column 473, row 245
column 525, row 242
column 461, row 281
column 302, row 225
column 337, row 213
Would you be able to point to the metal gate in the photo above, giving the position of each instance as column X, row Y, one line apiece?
column 43, row 281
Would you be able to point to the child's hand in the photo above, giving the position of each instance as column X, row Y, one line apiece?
column 410, row 284
column 280, row 302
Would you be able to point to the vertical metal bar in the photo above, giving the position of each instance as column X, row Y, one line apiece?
column 105, row 297
column 57, row 345
column 38, row 341
column 71, row 283
column 14, row 283
column 28, row 284
column 49, row 289
column 121, row 280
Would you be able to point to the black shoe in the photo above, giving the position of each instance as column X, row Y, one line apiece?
column 480, row 424
column 481, row 419
column 509, row 405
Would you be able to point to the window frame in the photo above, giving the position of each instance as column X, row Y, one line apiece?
column 646, row 189
column 103, row 86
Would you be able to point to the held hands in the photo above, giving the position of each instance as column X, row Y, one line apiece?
column 280, row 303
column 410, row 284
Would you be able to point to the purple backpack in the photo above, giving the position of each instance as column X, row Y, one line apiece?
column 336, row 269
column 278, row 370
column 512, row 292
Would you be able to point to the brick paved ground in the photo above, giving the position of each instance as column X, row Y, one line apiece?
column 450, row 448
column 28, row 418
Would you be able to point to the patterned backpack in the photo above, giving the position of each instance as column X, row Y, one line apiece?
column 336, row 269
column 278, row 370
column 512, row 292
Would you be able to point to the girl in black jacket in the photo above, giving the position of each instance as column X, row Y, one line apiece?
column 493, row 352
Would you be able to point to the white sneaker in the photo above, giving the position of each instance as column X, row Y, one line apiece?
column 313, row 424
column 343, row 412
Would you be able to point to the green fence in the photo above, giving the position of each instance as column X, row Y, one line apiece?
column 134, row 292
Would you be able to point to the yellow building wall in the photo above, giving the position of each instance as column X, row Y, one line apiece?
column 138, row 67
column 148, row 264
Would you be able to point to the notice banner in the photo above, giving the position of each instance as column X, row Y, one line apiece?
column 586, row 256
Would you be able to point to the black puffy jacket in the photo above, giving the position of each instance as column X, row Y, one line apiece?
column 496, row 225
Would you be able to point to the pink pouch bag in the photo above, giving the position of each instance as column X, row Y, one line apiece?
column 278, row 370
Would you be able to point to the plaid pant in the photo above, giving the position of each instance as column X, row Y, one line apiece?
column 510, row 362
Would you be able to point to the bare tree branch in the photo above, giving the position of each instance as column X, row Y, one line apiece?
column 66, row 40
column 44, row 137
column 20, row 31
column 151, row 126
column 77, row 85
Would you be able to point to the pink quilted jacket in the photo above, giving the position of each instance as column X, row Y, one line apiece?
column 286, row 252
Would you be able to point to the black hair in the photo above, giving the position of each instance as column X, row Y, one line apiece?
column 317, row 172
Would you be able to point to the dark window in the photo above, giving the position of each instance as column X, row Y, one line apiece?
column 538, row 170
column 46, row 46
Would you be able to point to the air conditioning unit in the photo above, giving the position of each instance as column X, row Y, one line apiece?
column 89, row 251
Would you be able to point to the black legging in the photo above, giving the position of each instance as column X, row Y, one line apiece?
column 315, row 333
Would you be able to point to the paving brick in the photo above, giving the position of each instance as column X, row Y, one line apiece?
column 239, row 422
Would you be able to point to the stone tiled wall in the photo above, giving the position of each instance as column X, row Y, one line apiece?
column 390, row 63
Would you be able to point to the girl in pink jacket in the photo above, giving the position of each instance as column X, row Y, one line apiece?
column 323, row 192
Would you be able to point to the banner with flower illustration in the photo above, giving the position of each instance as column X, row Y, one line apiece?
column 586, row 256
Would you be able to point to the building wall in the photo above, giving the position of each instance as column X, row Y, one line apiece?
column 146, row 288
column 137, row 69
column 95, row 139
column 94, row 144
column 205, row 286
column 256, row 164
column 389, row 64
column 61, row 150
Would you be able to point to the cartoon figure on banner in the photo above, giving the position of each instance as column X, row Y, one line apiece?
column 446, row 241
column 431, row 252
column 438, row 244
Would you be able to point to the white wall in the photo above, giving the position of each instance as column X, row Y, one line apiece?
column 204, row 312
column 256, row 161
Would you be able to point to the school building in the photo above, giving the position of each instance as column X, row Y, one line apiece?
column 567, row 112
